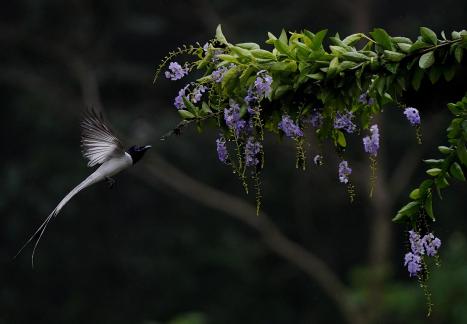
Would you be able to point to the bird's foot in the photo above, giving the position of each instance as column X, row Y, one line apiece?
column 110, row 182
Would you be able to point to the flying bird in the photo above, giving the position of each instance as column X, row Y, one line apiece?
column 99, row 146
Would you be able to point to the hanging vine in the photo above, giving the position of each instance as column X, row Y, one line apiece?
column 332, row 91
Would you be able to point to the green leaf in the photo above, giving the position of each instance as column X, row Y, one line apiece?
column 455, row 35
column 426, row 60
column 456, row 171
column 415, row 194
column 355, row 56
column 220, row 36
column 419, row 44
column 248, row 46
column 347, row 65
column 404, row 47
column 401, row 40
column 428, row 35
column 281, row 90
column 241, row 51
column 449, row 72
column 228, row 58
column 341, row 139
column 435, row 74
column 316, row 76
column 333, row 66
column 393, row 56
column 185, row 114
column 425, row 186
column 434, row 171
column 260, row 53
column 284, row 66
column 434, row 161
column 429, row 206
column 462, row 153
column 282, row 47
column 417, row 78
column 458, row 53
column 317, row 40
column 445, row 149
column 352, row 39
column 230, row 79
column 283, row 37
column 410, row 208
column 382, row 38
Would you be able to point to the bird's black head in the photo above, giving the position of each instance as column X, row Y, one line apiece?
column 137, row 152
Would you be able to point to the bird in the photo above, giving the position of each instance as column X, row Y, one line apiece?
column 100, row 146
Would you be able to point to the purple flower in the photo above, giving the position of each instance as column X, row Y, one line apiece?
column 344, row 121
column 178, row 102
column 428, row 245
column 416, row 244
column 263, row 84
column 431, row 244
column 260, row 89
column 364, row 99
column 222, row 150
column 198, row 93
column 344, row 171
column 371, row 143
column 252, row 148
column 289, row 127
column 412, row 115
column 218, row 74
column 318, row 159
column 232, row 117
column 176, row 71
column 250, row 96
column 316, row 119
column 413, row 263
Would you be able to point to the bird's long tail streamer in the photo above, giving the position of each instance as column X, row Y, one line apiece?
column 40, row 231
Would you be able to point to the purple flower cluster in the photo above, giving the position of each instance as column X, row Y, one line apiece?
column 198, row 93
column 232, row 117
column 371, row 143
column 218, row 74
column 412, row 115
column 252, row 148
column 194, row 96
column 260, row 89
column 178, row 102
column 344, row 171
column 217, row 51
column 263, row 84
column 316, row 119
column 344, row 121
column 365, row 99
column 419, row 246
column 289, row 127
column 176, row 71
column 222, row 149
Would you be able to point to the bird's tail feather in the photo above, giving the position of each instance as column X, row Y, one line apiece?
column 40, row 231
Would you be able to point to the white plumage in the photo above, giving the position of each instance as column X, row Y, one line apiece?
column 99, row 146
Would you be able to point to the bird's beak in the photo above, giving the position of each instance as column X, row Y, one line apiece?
column 147, row 147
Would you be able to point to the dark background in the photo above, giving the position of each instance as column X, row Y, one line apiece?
column 176, row 240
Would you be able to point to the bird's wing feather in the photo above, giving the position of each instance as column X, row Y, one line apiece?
column 98, row 142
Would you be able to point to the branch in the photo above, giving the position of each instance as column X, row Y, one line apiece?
column 162, row 171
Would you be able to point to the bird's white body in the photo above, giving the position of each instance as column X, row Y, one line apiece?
column 106, row 170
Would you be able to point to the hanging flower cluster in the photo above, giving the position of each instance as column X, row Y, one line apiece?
column 420, row 246
column 302, row 88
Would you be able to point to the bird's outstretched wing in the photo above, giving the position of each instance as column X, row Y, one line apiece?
column 98, row 142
